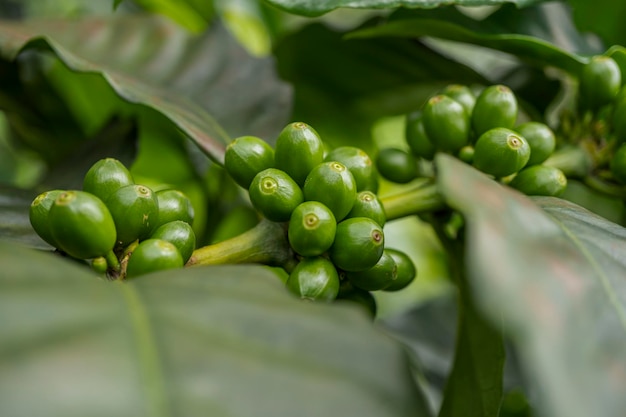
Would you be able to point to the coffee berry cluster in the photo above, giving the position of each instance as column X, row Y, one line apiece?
column 328, row 203
column 481, row 130
column 123, row 229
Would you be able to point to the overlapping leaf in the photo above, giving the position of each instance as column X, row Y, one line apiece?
column 193, row 80
column 318, row 7
column 529, row 34
column 222, row 341
column 555, row 276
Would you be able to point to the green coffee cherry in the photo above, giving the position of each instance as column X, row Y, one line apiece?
column 541, row 140
column 314, row 279
column 245, row 157
column 396, row 165
column 446, row 123
column 178, row 233
column 600, row 82
column 153, row 255
column 406, row 270
column 358, row 245
column 275, row 194
column 466, row 154
column 540, row 180
column 360, row 297
column 39, row 213
column 105, row 177
column 298, row 150
column 461, row 94
column 501, row 152
column 312, row 229
column 332, row 184
column 360, row 165
column 367, row 204
column 99, row 265
column 82, row 225
column 377, row 277
column 618, row 164
column 135, row 211
column 416, row 137
column 173, row 205
column 496, row 106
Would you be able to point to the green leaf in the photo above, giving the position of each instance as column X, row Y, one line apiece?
column 244, row 19
column 220, row 341
column 602, row 18
column 319, row 7
column 14, row 223
column 183, row 12
column 192, row 80
column 555, row 278
column 495, row 32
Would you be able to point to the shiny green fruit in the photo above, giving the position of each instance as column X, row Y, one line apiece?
column 298, row 150
column 314, row 279
column 82, row 225
column 618, row 164
column 540, row 180
column 416, row 137
column 600, row 82
column 99, row 265
column 501, row 152
column 406, row 270
column 446, row 123
column 39, row 215
column 358, row 245
column 362, row 298
column 378, row 277
column 396, row 165
column 153, row 255
column 541, row 140
column 332, row 184
column 360, row 165
column 135, row 210
column 496, row 106
column 245, row 157
column 466, row 154
column 312, row 228
column 367, row 204
column 178, row 233
column 173, row 205
column 105, row 177
column 461, row 94
column 275, row 194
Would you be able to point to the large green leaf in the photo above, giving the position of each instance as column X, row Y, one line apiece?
column 193, row 80
column 218, row 341
column 532, row 35
column 555, row 278
column 319, row 7
column 603, row 18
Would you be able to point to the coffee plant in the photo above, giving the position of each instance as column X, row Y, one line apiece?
column 295, row 208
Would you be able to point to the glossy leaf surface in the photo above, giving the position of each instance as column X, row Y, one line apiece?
column 227, row 341
column 554, row 274
column 318, row 7
column 193, row 80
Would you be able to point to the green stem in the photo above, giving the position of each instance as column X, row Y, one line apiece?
column 112, row 261
column 598, row 184
column 266, row 243
column 423, row 199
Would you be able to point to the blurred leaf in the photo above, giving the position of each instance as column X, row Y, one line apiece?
column 14, row 223
column 343, row 86
column 227, row 341
column 245, row 20
column 182, row 12
column 319, row 7
column 601, row 18
column 163, row 67
column 555, row 279
column 495, row 32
